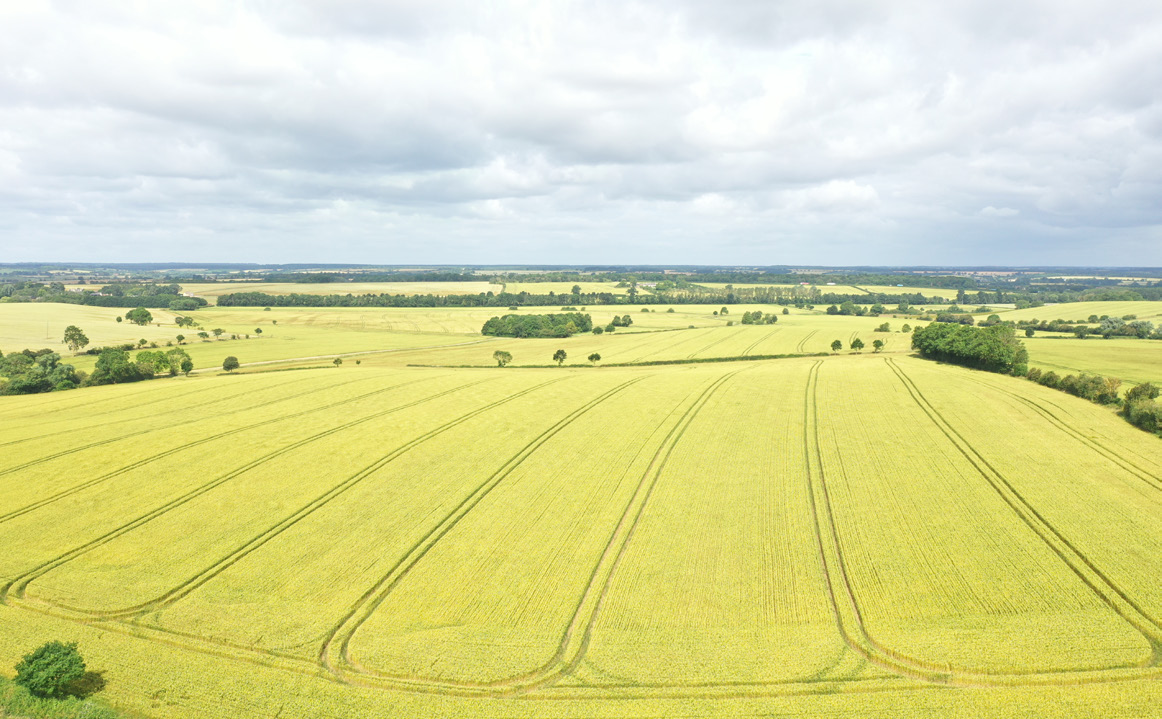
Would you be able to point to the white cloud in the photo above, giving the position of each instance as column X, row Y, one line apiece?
column 991, row 211
column 453, row 130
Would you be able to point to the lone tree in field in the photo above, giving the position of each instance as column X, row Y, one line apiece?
column 231, row 363
column 836, row 346
column 502, row 358
column 205, row 336
column 257, row 330
column 338, row 361
column 857, row 344
column 217, row 332
column 594, row 358
column 139, row 316
column 75, row 338
column 559, row 357
column 878, row 344
column 48, row 671
column 180, row 339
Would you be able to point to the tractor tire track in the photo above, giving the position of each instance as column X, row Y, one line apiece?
column 799, row 347
column 759, row 341
column 576, row 638
column 183, row 589
column 17, row 586
column 707, row 348
column 1150, row 479
column 334, row 654
column 183, row 408
column 13, row 514
column 1098, row 581
column 91, row 445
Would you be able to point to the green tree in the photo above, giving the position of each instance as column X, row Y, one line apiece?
column 836, row 346
column 205, row 336
column 114, row 366
column 181, row 338
column 1029, row 332
column 906, row 328
column 594, row 358
column 857, row 344
column 559, row 357
column 878, row 344
column 75, row 338
column 48, row 671
column 576, row 289
column 230, row 363
column 337, row 361
column 217, row 332
column 598, row 330
column 139, row 316
column 502, row 358
column 786, row 311
column 257, row 330
column 119, row 318
column 187, row 366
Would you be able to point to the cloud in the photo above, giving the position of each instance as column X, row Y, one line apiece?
column 991, row 211
column 748, row 132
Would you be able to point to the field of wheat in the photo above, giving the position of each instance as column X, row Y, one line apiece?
column 695, row 539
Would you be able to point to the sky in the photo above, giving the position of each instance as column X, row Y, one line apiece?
column 752, row 132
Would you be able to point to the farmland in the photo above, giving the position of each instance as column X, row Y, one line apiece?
column 851, row 534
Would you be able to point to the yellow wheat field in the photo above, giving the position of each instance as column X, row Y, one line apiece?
column 819, row 536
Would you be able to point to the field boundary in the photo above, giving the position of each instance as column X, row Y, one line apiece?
column 648, row 363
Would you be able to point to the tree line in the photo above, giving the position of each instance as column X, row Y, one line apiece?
column 994, row 349
column 563, row 324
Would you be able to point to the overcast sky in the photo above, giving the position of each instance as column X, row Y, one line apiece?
column 714, row 132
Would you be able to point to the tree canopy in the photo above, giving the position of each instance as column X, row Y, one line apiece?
column 48, row 671
column 994, row 348
column 551, row 325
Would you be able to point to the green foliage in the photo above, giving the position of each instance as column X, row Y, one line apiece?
column 995, row 349
column 594, row 358
column 115, row 367
column 559, row 357
column 230, row 363
column 33, row 372
column 857, row 344
column 878, row 345
column 17, row 701
column 758, row 318
column 503, row 358
column 49, row 670
column 337, row 361
column 598, row 330
column 166, row 362
column 74, row 338
column 139, row 316
column 186, row 304
column 885, row 327
column 551, row 325
column 836, row 346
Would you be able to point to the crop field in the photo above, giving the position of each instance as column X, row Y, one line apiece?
column 850, row 289
column 210, row 291
column 1130, row 360
column 564, row 288
column 834, row 535
column 1082, row 310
